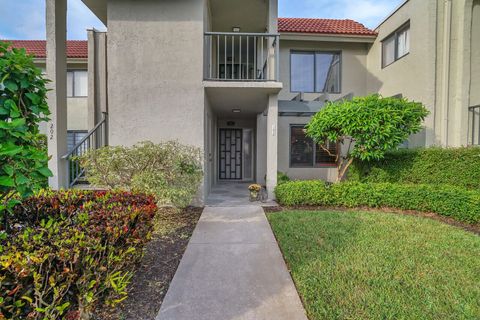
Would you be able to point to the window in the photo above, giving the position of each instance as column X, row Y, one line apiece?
column 74, row 137
column 315, row 72
column 396, row 45
column 304, row 153
column 77, row 83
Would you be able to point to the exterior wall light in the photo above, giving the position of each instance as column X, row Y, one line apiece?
column 236, row 110
column 236, row 29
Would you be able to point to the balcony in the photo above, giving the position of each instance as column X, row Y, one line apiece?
column 235, row 56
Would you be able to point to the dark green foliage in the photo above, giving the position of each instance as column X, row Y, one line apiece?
column 282, row 178
column 454, row 166
column 450, row 201
column 367, row 126
column 69, row 251
column 23, row 105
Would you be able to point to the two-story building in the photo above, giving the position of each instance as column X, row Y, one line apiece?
column 240, row 83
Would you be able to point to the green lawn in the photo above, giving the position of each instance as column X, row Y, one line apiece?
column 369, row 265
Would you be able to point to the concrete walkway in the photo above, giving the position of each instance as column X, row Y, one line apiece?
column 232, row 270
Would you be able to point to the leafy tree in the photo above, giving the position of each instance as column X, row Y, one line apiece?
column 23, row 105
column 365, row 127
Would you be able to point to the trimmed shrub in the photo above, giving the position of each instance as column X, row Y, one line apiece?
column 367, row 126
column 450, row 201
column 71, row 250
column 170, row 171
column 453, row 166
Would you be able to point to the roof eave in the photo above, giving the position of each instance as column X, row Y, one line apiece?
column 99, row 9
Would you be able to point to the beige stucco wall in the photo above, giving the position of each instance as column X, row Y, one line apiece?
column 155, row 62
column 77, row 107
column 77, row 113
column 475, row 64
column 155, row 65
column 354, row 60
column 414, row 74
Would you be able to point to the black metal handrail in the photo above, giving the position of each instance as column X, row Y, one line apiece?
column 474, row 118
column 95, row 138
column 240, row 56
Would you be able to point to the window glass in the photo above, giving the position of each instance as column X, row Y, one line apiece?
column 388, row 55
column 403, row 42
column 81, row 84
column 74, row 137
column 327, row 73
column 302, row 72
column 301, row 148
column 305, row 153
column 70, row 84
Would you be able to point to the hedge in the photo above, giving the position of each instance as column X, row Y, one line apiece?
column 453, row 166
column 450, row 201
column 71, row 251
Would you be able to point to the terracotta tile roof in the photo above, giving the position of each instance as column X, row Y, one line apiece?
column 75, row 48
column 323, row 26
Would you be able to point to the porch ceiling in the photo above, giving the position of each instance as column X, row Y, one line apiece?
column 99, row 8
column 251, row 100
column 249, row 15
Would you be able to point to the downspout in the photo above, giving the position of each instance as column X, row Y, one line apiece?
column 447, row 34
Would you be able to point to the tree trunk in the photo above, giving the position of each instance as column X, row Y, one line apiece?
column 343, row 170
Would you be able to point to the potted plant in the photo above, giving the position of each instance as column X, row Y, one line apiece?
column 254, row 191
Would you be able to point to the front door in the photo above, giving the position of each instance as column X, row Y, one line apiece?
column 231, row 154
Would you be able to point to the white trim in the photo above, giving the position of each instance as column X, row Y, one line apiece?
column 327, row 37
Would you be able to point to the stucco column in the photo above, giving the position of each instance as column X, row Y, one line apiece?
column 56, row 16
column 272, row 144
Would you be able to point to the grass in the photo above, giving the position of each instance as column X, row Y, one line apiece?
column 370, row 265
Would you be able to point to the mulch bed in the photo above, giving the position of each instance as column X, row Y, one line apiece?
column 158, row 266
column 475, row 228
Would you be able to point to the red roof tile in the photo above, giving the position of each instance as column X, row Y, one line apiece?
column 75, row 48
column 323, row 26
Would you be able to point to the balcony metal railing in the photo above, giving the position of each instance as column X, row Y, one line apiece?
column 235, row 56
column 474, row 119
column 96, row 138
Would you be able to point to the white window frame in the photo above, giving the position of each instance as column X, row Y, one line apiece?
column 395, row 36
column 73, row 71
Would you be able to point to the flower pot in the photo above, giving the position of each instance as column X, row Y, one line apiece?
column 254, row 196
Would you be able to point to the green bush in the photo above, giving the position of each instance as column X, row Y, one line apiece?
column 70, row 251
column 453, row 166
column 23, row 105
column 171, row 171
column 450, row 201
